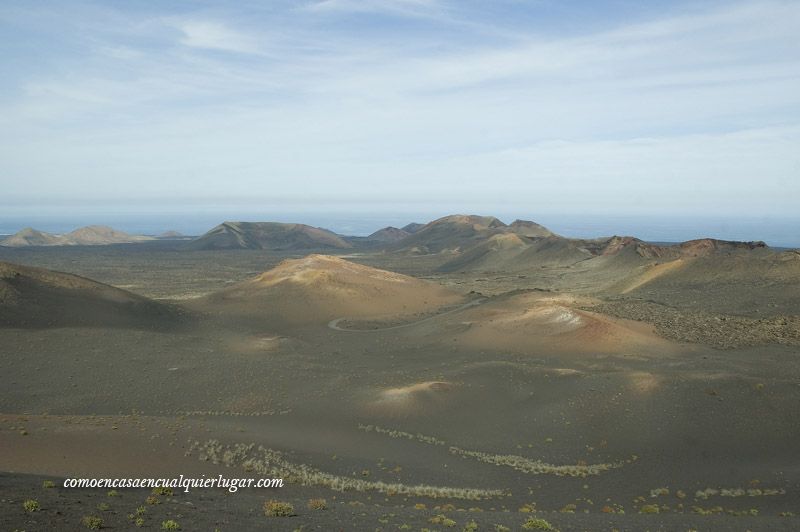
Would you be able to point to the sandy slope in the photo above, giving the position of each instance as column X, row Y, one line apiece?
column 537, row 321
column 35, row 297
column 318, row 288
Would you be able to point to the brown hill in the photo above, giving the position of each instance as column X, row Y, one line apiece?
column 318, row 288
column 529, row 229
column 459, row 232
column 726, row 277
column 268, row 235
column 510, row 252
column 35, row 297
column 30, row 237
column 171, row 234
column 691, row 248
column 388, row 234
column 99, row 235
column 93, row 235
column 413, row 227
column 708, row 246
column 452, row 233
column 618, row 264
column 627, row 245
column 552, row 322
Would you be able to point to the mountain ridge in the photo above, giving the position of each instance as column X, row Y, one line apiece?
column 90, row 235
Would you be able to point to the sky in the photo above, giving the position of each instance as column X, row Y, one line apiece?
column 543, row 108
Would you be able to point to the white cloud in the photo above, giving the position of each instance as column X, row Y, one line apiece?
column 708, row 99
column 211, row 35
column 401, row 7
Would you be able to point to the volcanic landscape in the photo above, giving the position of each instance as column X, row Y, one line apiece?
column 461, row 374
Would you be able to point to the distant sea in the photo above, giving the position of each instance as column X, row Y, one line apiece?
column 777, row 232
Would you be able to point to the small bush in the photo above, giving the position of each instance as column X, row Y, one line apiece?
column 152, row 500
column 141, row 510
column 471, row 526
column 658, row 492
column 31, row 506
column 534, row 523
column 442, row 520
column 48, row 484
column 317, row 504
column 92, row 522
column 162, row 491
column 501, row 528
column 278, row 509
column 139, row 522
column 707, row 511
column 650, row 509
column 113, row 493
column 169, row 524
column 104, row 507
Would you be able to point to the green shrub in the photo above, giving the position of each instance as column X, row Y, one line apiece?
column 31, row 506
column 163, row 491
column 48, row 484
column 534, row 523
column 113, row 493
column 169, row 524
column 442, row 520
column 650, row 509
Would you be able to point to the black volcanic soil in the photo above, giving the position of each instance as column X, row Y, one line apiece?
column 718, row 330
column 545, row 396
column 63, row 509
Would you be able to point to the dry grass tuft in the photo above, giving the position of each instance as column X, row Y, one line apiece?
column 278, row 509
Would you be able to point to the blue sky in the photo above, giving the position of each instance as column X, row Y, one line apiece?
column 594, row 107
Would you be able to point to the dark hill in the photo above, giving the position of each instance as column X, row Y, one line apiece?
column 35, row 297
column 268, row 235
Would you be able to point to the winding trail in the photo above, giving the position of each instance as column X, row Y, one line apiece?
column 334, row 324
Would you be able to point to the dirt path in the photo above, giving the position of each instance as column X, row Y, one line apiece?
column 334, row 324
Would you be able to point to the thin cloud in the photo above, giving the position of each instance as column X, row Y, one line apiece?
column 133, row 100
column 211, row 35
column 405, row 7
